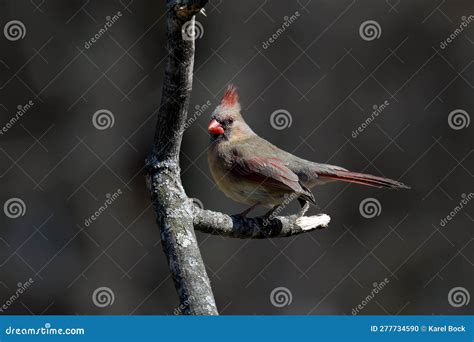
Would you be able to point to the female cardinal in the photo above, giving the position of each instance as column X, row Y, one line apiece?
column 250, row 170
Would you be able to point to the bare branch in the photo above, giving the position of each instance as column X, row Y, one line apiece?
column 216, row 223
column 173, row 209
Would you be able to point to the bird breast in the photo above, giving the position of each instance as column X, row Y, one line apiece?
column 238, row 188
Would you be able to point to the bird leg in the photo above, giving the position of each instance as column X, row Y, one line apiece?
column 246, row 211
column 304, row 207
column 271, row 211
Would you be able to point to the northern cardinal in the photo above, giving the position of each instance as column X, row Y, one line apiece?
column 251, row 170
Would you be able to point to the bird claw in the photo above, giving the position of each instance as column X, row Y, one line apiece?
column 269, row 213
column 303, row 210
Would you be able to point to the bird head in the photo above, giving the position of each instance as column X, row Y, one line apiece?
column 226, row 121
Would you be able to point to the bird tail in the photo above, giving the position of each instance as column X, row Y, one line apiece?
column 331, row 173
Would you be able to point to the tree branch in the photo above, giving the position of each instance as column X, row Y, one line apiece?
column 174, row 211
column 215, row 223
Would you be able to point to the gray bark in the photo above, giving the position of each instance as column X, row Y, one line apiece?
column 173, row 209
column 236, row 226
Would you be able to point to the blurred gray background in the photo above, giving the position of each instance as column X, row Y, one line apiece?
column 319, row 69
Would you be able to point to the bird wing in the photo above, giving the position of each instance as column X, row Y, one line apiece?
column 270, row 172
column 267, row 171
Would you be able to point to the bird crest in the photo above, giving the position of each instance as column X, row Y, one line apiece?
column 230, row 98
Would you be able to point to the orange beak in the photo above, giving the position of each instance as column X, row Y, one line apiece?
column 215, row 127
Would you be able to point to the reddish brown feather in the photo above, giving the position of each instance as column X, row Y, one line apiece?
column 269, row 171
column 364, row 179
column 230, row 98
